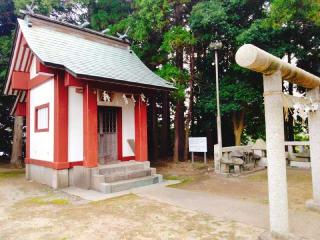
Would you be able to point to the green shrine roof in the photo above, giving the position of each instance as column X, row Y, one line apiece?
column 86, row 53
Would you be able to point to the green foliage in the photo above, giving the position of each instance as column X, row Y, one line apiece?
column 44, row 6
column 5, row 48
column 7, row 17
column 291, row 12
column 177, row 37
column 105, row 13
column 148, row 22
column 208, row 18
column 177, row 76
column 240, row 90
column 6, row 121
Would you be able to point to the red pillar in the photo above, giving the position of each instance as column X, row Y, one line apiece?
column 90, row 126
column 141, row 136
column 28, row 126
column 60, row 123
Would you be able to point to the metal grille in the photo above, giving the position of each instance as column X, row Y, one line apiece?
column 109, row 120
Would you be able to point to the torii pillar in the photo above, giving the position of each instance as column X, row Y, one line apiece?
column 314, row 139
column 277, row 175
column 274, row 70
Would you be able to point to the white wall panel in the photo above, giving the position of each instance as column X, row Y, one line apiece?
column 42, row 143
column 75, row 125
column 33, row 71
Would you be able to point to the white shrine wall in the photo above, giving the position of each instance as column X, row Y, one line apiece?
column 75, row 125
column 41, row 143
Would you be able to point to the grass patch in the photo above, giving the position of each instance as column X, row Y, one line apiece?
column 199, row 166
column 127, row 197
column 258, row 177
column 11, row 174
column 184, row 180
column 44, row 200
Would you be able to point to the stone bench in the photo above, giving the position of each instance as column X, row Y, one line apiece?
column 235, row 163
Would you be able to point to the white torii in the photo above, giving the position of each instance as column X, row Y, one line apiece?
column 274, row 70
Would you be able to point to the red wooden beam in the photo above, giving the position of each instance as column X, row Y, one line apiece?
column 21, row 109
column 119, row 133
column 70, row 80
column 54, row 165
column 90, row 126
column 19, row 80
column 28, row 125
column 42, row 68
column 60, row 123
column 40, row 78
column 141, row 135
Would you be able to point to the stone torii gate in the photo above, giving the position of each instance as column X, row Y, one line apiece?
column 274, row 70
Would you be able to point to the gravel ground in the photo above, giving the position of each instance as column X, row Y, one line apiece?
column 33, row 211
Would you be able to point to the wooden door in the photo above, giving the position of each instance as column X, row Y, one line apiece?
column 107, row 135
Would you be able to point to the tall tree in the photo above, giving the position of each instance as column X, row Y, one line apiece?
column 239, row 91
column 161, row 38
column 105, row 13
column 7, row 24
column 290, row 31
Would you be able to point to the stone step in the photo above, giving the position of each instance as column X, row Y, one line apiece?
column 127, row 175
column 123, row 167
column 128, row 184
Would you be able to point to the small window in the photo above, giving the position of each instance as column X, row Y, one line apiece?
column 42, row 118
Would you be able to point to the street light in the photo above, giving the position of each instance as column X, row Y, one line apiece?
column 217, row 45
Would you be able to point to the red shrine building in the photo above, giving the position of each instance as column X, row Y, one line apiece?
column 84, row 96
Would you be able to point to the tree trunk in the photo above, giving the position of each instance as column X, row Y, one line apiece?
column 190, row 107
column 179, row 115
column 179, row 132
column 16, row 155
column 290, row 132
column 238, row 126
column 154, row 128
column 165, row 127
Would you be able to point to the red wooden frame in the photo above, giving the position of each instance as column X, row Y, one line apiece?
column 21, row 109
column 53, row 165
column 60, row 154
column 90, row 126
column 28, row 125
column 119, row 133
column 19, row 80
column 141, row 134
column 36, row 109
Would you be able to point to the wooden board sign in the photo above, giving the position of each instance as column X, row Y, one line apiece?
column 198, row 144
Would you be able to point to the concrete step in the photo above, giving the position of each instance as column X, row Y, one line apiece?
column 128, row 184
column 123, row 167
column 127, row 175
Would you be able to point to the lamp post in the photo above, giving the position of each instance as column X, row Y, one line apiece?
column 217, row 45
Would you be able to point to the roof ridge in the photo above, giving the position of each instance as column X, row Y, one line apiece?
column 66, row 24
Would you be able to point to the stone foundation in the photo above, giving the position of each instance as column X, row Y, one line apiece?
column 82, row 177
column 107, row 178
column 299, row 164
column 51, row 177
column 274, row 236
column 313, row 205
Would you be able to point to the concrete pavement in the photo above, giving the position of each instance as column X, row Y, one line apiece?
column 305, row 224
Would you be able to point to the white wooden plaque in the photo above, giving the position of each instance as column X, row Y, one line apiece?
column 198, row 144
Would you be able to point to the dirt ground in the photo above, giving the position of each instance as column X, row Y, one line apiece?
column 34, row 211
column 252, row 187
